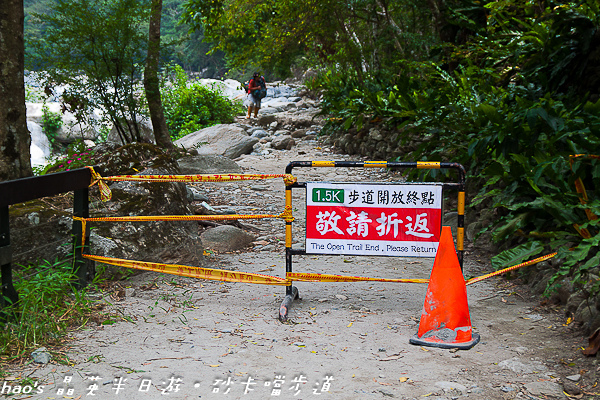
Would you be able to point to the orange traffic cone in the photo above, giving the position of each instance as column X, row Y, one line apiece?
column 445, row 320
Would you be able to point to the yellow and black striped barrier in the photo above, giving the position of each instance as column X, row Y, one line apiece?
column 291, row 291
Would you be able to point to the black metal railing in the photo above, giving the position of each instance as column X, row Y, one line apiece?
column 26, row 189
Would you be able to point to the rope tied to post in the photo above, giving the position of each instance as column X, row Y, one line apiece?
column 105, row 193
column 287, row 214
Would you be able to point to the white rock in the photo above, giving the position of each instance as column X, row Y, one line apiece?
column 230, row 88
column 40, row 145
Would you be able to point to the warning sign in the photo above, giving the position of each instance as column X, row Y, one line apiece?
column 373, row 219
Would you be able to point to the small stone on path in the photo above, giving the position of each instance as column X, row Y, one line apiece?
column 545, row 388
column 41, row 356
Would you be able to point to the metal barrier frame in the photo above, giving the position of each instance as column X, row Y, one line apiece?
column 292, row 291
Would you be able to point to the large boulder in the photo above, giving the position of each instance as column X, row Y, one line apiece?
column 303, row 120
column 158, row 241
column 40, row 230
column 207, row 164
column 226, row 238
column 47, row 222
column 227, row 140
column 306, row 119
column 280, row 103
column 269, row 111
column 145, row 127
column 266, row 120
column 283, row 142
column 114, row 159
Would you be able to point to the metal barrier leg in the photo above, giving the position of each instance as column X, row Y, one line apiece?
column 290, row 296
column 291, row 292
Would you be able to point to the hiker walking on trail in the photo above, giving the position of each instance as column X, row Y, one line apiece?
column 257, row 90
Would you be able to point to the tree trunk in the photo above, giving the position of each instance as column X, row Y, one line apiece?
column 15, row 160
column 151, row 84
column 448, row 28
column 395, row 28
column 445, row 30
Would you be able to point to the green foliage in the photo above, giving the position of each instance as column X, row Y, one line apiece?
column 190, row 106
column 516, row 255
column 34, row 95
column 445, row 110
column 512, row 113
column 51, row 123
column 48, row 305
column 187, row 50
column 365, row 35
column 549, row 45
column 97, row 51
column 510, row 96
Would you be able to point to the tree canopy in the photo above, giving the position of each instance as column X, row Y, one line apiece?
column 96, row 50
column 179, row 46
column 365, row 35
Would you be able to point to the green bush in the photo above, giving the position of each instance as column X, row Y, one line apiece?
column 48, row 305
column 51, row 123
column 190, row 106
column 511, row 140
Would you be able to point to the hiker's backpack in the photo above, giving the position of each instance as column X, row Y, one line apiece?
column 262, row 92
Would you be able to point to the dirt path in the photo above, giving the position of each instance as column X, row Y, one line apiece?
column 189, row 339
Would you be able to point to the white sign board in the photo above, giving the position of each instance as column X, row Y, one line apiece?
column 373, row 219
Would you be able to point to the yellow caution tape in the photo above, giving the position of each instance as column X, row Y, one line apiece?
column 503, row 271
column 249, row 277
column 193, row 272
column 288, row 179
column 225, row 275
column 307, row 277
column 286, row 215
